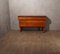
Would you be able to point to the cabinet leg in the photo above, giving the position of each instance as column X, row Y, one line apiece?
column 43, row 29
column 20, row 29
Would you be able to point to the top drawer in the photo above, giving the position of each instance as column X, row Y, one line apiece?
column 32, row 18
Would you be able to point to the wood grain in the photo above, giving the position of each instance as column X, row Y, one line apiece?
column 32, row 21
column 32, row 42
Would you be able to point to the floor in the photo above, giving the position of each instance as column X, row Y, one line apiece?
column 30, row 42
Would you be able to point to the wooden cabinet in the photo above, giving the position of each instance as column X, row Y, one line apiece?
column 32, row 21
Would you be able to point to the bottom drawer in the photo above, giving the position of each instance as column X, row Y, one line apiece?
column 32, row 24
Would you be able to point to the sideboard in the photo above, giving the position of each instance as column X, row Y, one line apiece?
column 32, row 21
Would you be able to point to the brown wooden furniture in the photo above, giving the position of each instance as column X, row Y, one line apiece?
column 32, row 21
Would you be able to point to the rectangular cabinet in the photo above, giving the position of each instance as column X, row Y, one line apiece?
column 32, row 21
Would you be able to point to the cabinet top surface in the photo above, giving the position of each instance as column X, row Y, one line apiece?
column 32, row 16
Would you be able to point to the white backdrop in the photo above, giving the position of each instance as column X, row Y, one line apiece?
column 50, row 8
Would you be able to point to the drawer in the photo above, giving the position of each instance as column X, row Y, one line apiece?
column 32, row 19
column 32, row 23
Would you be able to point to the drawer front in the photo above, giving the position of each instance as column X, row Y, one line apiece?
column 32, row 19
column 32, row 23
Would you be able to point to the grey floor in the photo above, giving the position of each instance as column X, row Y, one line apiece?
column 30, row 42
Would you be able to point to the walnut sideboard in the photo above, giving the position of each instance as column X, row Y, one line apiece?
column 32, row 21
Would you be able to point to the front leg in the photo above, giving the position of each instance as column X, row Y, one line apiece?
column 20, row 29
column 43, row 29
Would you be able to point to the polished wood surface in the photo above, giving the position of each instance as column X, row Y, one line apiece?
column 32, row 21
